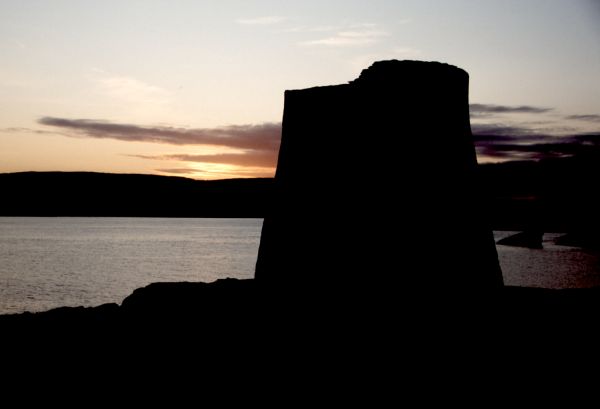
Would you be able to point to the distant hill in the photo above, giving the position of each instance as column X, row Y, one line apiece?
column 552, row 195
column 103, row 194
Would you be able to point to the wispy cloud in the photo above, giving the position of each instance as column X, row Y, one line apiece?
column 480, row 110
column 131, row 90
column 309, row 29
column 514, row 142
column 261, row 21
column 128, row 96
column 180, row 171
column 251, row 150
column 590, row 118
column 500, row 130
column 264, row 136
column 258, row 159
column 219, row 174
column 19, row 44
column 14, row 130
column 542, row 150
column 364, row 34
column 544, row 138
column 256, row 146
column 523, row 141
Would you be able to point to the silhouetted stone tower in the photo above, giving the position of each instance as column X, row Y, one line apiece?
column 376, row 184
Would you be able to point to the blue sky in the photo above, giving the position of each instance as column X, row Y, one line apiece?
column 195, row 88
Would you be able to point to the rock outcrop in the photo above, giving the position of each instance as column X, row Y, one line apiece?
column 528, row 238
column 231, row 306
column 376, row 185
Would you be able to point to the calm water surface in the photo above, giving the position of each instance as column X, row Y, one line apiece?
column 52, row 262
column 553, row 266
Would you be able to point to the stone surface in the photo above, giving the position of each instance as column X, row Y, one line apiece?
column 376, row 185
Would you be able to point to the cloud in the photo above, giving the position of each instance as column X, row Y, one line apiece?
column 257, row 146
column 536, row 151
column 480, row 110
column 364, row 35
column 243, row 173
column 262, row 137
column 180, row 171
column 501, row 130
column 530, row 140
column 535, row 146
column 30, row 130
column 503, row 141
column 591, row 118
column 129, row 96
column 254, row 158
column 220, row 174
column 261, row 21
column 308, row 29
column 19, row 44
column 132, row 90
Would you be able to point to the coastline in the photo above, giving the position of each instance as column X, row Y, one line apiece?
column 229, row 301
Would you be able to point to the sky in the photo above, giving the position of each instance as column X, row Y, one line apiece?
column 195, row 88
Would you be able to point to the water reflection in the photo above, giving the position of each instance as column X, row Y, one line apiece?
column 553, row 266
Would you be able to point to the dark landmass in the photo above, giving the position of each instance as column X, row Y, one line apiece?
column 580, row 238
column 156, row 303
column 552, row 195
column 103, row 194
column 232, row 306
column 175, row 339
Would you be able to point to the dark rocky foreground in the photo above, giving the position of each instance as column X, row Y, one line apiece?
column 231, row 305
column 233, row 339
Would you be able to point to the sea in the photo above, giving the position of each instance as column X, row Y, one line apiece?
column 52, row 262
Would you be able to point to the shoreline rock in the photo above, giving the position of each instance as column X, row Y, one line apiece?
column 529, row 238
column 234, row 302
column 586, row 240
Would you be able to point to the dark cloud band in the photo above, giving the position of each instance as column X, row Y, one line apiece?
column 264, row 136
column 537, row 147
column 479, row 110
column 258, row 145
column 590, row 118
column 258, row 159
